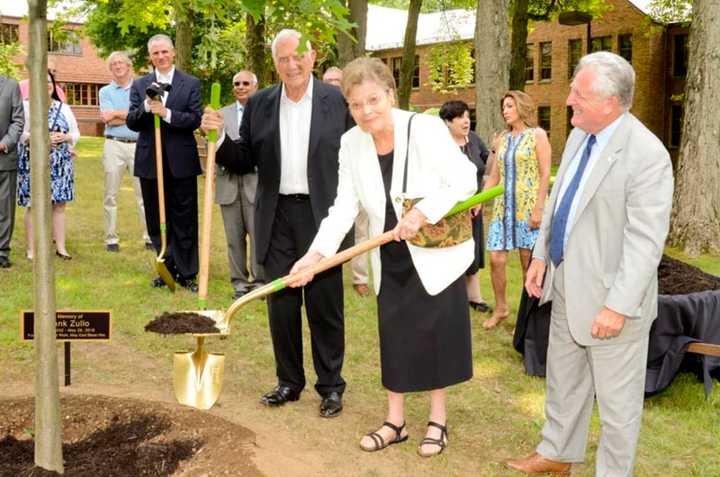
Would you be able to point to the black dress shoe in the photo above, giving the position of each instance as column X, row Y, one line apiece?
column 279, row 396
column 112, row 247
column 240, row 293
column 331, row 405
column 5, row 262
column 157, row 283
column 149, row 246
column 189, row 284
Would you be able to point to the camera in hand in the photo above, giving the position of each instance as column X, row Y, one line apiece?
column 155, row 90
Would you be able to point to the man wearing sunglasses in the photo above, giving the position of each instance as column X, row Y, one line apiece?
column 235, row 193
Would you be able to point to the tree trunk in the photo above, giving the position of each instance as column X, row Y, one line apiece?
column 491, row 79
column 183, row 38
column 348, row 49
column 256, row 47
column 48, row 430
column 407, row 68
column 518, row 45
column 695, row 221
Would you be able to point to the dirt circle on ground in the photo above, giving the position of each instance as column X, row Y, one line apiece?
column 104, row 436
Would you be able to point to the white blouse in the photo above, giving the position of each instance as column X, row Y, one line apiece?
column 74, row 131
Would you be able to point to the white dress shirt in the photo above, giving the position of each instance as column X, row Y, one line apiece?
column 295, row 141
column 163, row 78
column 601, row 140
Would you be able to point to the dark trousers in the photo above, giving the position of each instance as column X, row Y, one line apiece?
column 181, row 214
column 292, row 233
column 8, row 189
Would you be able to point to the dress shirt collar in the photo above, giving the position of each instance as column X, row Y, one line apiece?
column 306, row 97
column 165, row 78
column 603, row 137
column 116, row 85
column 239, row 106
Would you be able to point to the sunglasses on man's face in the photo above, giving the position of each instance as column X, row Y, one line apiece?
column 244, row 83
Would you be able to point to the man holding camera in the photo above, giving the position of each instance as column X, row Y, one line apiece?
column 176, row 98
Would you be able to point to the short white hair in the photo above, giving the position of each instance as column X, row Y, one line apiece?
column 614, row 76
column 119, row 54
column 254, row 77
column 160, row 37
column 287, row 33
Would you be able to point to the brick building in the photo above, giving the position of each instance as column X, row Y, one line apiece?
column 79, row 69
column 658, row 54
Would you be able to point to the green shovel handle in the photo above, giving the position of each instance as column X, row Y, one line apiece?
column 215, row 104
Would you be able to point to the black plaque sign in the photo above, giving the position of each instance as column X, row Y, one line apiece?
column 71, row 325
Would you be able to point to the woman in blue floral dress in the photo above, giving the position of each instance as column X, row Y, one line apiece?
column 522, row 164
column 64, row 133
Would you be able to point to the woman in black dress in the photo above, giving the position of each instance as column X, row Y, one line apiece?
column 423, row 316
column 456, row 115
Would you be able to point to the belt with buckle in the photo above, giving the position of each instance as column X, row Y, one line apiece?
column 295, row 196
column 121, row 139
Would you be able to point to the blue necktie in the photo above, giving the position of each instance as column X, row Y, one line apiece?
column 559, row 221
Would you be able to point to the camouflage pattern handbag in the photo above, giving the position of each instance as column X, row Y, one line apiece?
column 448, row 231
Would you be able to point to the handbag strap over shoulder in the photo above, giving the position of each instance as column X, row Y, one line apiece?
column 407, row 153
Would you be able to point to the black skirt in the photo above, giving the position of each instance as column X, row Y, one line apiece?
column 425, row 340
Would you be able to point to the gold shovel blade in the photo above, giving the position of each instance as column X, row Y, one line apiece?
column 197, row 378
column 164, row 273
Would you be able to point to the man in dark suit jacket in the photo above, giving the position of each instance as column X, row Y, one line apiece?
column 12, row 120
column 291, row 132
column 180, row 110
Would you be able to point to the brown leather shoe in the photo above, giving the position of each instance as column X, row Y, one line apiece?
column 535, row 464
column 361, row 289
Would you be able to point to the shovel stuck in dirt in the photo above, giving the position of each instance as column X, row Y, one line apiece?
column 197, row 376
column 160, row 266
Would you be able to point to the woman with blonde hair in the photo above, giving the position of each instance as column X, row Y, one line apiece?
column 522, row 164
column 424, row 322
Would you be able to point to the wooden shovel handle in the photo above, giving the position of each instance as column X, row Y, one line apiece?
column 160, row 186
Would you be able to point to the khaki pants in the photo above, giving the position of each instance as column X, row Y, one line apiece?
column 118, row 157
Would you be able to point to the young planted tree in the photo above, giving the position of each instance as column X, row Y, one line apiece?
column 407, row 67
column 695, row 221
column 492, row 63
column 48, row 430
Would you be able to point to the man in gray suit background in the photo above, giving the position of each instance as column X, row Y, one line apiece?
column 600, row 243
column 12, row 120
column 235, row 194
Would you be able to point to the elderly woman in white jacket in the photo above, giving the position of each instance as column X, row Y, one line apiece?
column 424, row 325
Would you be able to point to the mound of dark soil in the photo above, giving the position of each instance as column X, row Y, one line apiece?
column 679, row 278
column 112, row 437
column 181, row 322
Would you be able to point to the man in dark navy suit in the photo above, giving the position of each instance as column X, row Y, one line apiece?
column 291, row 133
column 180, row 110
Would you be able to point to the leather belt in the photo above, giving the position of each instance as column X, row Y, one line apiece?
column 295, row 196
column 121, row 139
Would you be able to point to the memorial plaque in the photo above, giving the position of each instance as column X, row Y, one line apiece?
column 71, row 325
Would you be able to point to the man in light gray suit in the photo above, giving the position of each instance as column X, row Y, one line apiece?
column 600, row 243
column 236, row 195
column 12, row 120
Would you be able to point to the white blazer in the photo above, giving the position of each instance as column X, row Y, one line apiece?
column 437, row 171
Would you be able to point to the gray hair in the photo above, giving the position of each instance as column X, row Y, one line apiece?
column 119, row 54
column 333, row 69
column 283, row 34
column 160, row 37
column 254, row 77
column 614, row 76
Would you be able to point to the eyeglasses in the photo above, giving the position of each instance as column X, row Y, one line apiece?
column 244, row 83
column 373, row 102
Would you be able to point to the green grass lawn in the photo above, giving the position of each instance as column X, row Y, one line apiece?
column 495, row 416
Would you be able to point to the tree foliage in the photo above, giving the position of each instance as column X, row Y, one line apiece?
column 8, row 67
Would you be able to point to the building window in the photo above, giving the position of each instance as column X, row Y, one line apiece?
column 8, row 33
column 545, row 60
column 82, row 94
column 543, row 119
column 680, row 56
column 530, row 64
column 676, row 120
column 68, row 45
column 568, row 119
column 601, row 43
column 625, row 46
column 575, row 52
column 396, row 63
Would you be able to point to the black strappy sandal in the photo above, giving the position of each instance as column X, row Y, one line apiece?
column 380, row 443
column 441, row 443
